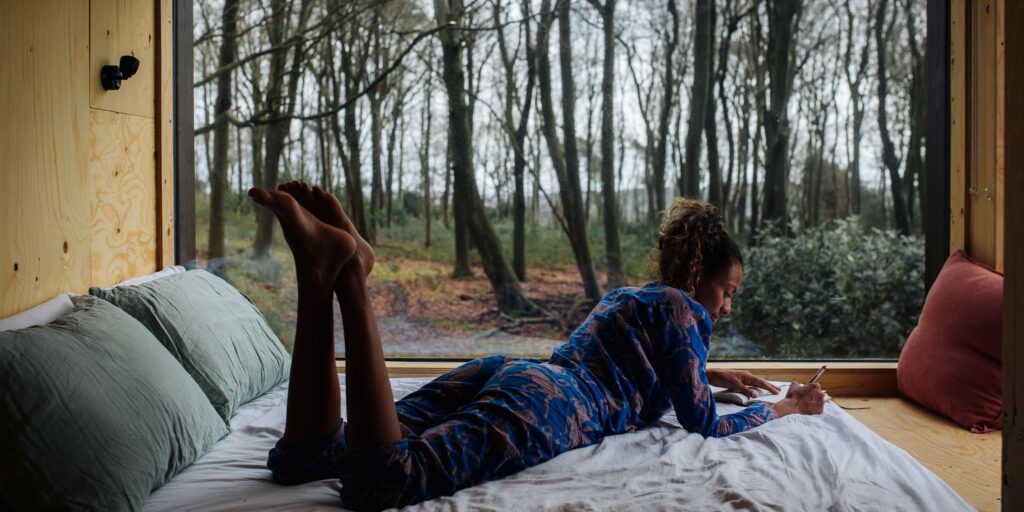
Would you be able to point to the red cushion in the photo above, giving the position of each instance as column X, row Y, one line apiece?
column 952, row 362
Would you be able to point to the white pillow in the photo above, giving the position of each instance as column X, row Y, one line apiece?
column 39, row 315
column 177, row 269
column 61, row 304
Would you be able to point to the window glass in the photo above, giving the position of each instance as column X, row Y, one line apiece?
column 548, row 139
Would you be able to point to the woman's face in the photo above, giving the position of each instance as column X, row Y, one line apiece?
column 716, row 293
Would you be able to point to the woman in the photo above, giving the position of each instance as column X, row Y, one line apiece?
column 639, row 353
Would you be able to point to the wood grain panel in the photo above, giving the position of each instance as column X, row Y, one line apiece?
column 44, row 214
column 981, row 206
column 122, row 167
column 165, row 135
column 1000, row 135
column 957, row 124
column 968, row 462
column 124, row 27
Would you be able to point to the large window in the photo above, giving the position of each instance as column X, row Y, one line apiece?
column 803, row 121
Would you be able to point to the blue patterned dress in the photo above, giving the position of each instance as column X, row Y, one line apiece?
column 641, row 352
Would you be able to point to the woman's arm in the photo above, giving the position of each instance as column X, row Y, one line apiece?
column 682, row 330
column 801, row 399
column 695, row 407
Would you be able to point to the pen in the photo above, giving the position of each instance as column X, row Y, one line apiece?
column 818, row 373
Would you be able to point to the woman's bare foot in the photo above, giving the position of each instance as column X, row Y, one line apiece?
column 320, row 249
column 325, row 207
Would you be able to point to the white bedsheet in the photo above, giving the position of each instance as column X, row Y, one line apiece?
column 827, row 462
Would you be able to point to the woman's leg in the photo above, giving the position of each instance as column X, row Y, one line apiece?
column 319, row 250
column 372, row 419
column 427, row 406
column 526, row 413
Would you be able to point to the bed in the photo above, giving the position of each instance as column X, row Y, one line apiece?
column 186, row 355
column 827, row 462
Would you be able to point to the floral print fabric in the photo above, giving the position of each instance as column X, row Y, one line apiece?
column 641, row 351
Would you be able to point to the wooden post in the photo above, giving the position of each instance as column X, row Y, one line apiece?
column 935, row 213
column 1013, row 298
column 184, row 149
column 957, row 124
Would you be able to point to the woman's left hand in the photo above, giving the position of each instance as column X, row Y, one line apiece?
column 739, row 380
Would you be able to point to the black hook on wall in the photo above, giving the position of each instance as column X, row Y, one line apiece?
column 111, row 76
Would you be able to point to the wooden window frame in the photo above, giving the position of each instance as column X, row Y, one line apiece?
column 936, row 208
column 845, row 378
column 184, row 140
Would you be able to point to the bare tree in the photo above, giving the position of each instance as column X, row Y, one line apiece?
column 917, row 118
column 425, row 144
column 612, row 247
column 517, row 134
column 565, row 159
column 703, row 55
column 854, row 78
column 506, row 288
column 219, row 170
column 281, row 99
column 883, row 34
column 782, row 27
column 664, row 115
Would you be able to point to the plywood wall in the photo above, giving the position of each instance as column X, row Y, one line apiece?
column 86, row 174
column 977, row 159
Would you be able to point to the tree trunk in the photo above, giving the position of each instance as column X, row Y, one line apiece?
column 219, row 171
column 917, row 93
column 461, row 267
column 703, row 48
column 425, row 153
column 353, row 171
column 782, row 18
column 280, row 105
column 376, row 152
column 853, row 81
column 565, row 162
column 396, row 117
column 882, row 37
column 721, row 70
column 518, row 135
column 664, row 116
column 506, row 288
column 609, row 197
column 711, row 130
column 739, row 211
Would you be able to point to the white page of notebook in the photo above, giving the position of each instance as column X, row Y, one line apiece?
column 762, row 394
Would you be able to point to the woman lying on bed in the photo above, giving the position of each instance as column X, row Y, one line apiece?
column 641, row 352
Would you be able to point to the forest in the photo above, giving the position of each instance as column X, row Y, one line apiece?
column 511, row 159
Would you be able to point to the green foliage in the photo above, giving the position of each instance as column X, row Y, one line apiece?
column 847, row 292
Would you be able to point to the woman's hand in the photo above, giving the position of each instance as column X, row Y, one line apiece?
column 739, row 380
column 801, row 399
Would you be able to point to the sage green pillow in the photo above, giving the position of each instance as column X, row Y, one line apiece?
column 95, row 413
column 216, row 333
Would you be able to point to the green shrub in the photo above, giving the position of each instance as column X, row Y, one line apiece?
column 843, row 293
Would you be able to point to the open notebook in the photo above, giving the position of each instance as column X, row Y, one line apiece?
column 729, row 396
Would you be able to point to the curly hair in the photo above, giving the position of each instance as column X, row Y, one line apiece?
column 692, row 244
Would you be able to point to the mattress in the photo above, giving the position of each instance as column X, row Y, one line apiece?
column 825, row 462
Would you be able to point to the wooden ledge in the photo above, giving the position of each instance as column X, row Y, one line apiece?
column 842, row 378
column 969, row 463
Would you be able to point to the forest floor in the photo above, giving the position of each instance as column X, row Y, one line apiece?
column 424, row 312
